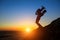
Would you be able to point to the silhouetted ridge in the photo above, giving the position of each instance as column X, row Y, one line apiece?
column 53, row 24
column 53, row 30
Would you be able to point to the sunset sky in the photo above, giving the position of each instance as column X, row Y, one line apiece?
column 21, row 13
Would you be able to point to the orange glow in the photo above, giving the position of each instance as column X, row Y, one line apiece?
column 24, row 24
column 28, row 30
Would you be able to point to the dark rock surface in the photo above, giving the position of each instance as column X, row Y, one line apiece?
column 53, row 30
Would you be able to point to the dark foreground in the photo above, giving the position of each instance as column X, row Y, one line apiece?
column 8, row 35
column 50, row 32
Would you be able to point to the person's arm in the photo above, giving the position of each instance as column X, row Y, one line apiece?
column 42, row 8
column 44, row 12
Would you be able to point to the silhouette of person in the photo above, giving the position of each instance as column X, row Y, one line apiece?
column 40, row 13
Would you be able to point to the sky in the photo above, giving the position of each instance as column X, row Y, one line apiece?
column 19, row 13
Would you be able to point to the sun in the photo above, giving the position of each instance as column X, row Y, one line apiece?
column 28, row 30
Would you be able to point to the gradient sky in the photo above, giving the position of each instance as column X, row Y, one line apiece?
column 22, row 12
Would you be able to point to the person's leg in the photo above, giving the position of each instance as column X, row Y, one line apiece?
column 37, row 21
column 39, row 24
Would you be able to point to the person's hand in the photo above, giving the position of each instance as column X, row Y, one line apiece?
column 43, row 13
column 43, row 7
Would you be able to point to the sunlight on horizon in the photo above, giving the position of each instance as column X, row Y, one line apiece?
column 20, row 25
